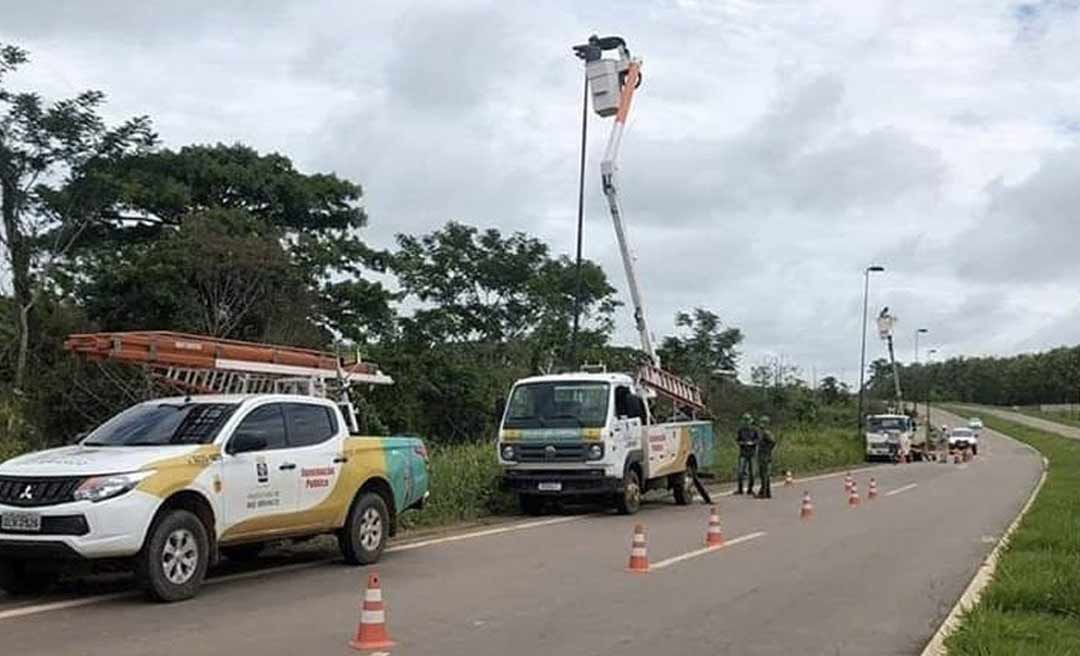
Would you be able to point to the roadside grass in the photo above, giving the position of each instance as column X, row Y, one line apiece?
column 465, row 478
column 1033, row 604
column 804, row 449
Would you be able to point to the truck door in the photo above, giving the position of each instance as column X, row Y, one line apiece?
column 629, row 425
column 259, row 484
column 315, row 445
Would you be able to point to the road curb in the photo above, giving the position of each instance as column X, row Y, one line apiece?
column 985, row 573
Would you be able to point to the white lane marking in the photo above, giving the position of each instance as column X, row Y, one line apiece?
column 484, row 533
column 61, row 605
column 898, row 490
column 23, row 611
column 701, row 552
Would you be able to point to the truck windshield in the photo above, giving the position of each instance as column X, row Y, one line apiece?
column 558, row 405
column 880, row 424
column 163, row 424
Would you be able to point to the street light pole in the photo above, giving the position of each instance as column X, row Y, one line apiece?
column 862, row 358
column 929, row 423
column 917, row 332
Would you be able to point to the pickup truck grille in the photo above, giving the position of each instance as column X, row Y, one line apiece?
column 37, row 491
column 550, row 452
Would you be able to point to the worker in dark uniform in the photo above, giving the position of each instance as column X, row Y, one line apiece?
column 746, row 438
column 765, row 445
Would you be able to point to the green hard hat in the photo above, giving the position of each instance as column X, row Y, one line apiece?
column 747, row 418
column 763, row 419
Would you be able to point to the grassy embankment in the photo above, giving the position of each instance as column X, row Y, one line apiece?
column 465, row 478
column 1033, row 604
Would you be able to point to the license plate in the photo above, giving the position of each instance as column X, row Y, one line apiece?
column 549, row 487
column 27, row 522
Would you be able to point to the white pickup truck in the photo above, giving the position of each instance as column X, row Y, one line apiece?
column 168, row 485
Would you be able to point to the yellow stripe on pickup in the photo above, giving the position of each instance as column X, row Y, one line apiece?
column 592, row 433
column 510, row 434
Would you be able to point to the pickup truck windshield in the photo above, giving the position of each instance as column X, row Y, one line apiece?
column 558, row 405
column 881, row 424
column 163, row 424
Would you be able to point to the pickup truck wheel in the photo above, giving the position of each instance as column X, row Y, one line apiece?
column 243, row 553
column 172, row 563
column 683, row 486
column 16, row 578
column 364, row 537
column 628, row 501
column 531, row 504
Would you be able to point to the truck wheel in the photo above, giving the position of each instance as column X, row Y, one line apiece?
column 363, row 538
column 975, row 450
column 531, row 504
column 683, row 486
column 172, row 563
column 243, row 553
column 16, row 578
column 628, row 501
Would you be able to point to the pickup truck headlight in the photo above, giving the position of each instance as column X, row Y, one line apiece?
column 596, row 451
column 100, row 488
column 507, row 452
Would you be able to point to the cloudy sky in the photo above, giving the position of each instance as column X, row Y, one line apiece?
column 775, row 148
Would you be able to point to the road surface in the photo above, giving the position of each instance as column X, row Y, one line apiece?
column 876, row 579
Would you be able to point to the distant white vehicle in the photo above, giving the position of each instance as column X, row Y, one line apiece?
column 975, row 424
column 964, row 438
column 888, row 436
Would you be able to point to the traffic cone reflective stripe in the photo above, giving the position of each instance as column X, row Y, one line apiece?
column 872, row 493
column 639, row 555
column 853, row 497
column 371, row 632
column 788, row 480
column 714, row 537
column 807, row 509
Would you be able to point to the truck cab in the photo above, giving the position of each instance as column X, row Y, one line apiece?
column 888, row 436
column 593, row 435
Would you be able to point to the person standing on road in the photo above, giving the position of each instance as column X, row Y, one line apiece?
column 765, row 445
column 746, row 438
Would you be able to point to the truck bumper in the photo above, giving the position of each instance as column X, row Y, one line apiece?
column 554, row 482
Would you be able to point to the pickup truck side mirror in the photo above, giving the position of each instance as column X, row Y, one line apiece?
column 500, row 408
column 246, row 442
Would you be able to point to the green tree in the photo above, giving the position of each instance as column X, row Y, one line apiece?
column 225, row 240
column 43, row 147
column 832, row 391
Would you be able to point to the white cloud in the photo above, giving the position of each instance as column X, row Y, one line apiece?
column 775, row 149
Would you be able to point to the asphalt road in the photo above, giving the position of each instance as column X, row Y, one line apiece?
column 871, row 580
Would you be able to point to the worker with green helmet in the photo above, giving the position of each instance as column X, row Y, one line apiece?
column 765, row 445
column 746, row 439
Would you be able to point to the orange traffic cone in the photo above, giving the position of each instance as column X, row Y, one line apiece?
column 872, row 493
column 807, row 509
column 371, row 633
column 639, row 556
column 848, row 482
column 788, row 480
column 853, row 497
column 713, row 537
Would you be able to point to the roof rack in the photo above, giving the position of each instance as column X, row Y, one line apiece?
column 209, row 365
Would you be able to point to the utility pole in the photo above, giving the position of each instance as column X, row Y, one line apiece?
column 580, row 228
column 862, row 359
column 929, row 422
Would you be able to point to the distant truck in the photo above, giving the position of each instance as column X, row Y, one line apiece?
column 889, row 436
column 168, row 485
column 592, row 436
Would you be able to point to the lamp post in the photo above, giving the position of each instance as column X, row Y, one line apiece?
column 929, row 424
column 862, row 358
column 917, row 332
